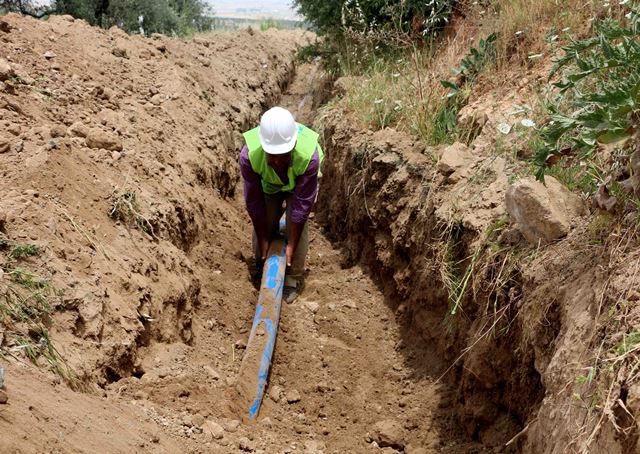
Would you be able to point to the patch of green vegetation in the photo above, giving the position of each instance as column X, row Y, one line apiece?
column 25, row 308
column 23, row 250
column 597, row 102
column 459, row 91
column 125, row 208
column 266, row 24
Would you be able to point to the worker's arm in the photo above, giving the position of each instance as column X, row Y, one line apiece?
column 254, row 200
column 304, row 196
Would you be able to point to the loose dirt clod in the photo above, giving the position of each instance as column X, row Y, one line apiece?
column 388, row 434
column 293, row 396
column 213, row 429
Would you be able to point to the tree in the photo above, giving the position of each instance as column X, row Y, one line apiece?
column 407, row 16
column 25, row 7
column 180, row 17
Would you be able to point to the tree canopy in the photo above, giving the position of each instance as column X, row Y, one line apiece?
column 179, row 17
column 408, row 16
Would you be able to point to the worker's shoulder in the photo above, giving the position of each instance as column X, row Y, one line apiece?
column 307, row 132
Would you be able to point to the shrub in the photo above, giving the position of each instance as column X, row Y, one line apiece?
column 407, row 16
column 598, row 101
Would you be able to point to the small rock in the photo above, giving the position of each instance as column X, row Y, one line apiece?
column 212, row 373
column 49, row 55
column 275, row 393
column 266, row 422
column 6, row 71
column 19, row 146
column 232, row 426
column 293, row 396
column 3, row 397
column 78, row 130
column 4, row 146
column 313, row 306
column 97, row 138
column 119, row 52
column 156, row 100
column 5, row 26
column 58, row 131
column 388, row 433
column 198, row 420
column 187, row 420
column 240, row 344
column 246, row 445
column 213, row 429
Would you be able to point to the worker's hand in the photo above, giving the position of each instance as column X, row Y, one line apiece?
column 289, row 253
column 264, row 248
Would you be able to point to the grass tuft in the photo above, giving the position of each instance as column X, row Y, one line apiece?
column 26, row 303
column 125, row 208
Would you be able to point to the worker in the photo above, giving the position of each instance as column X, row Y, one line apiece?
column 280, row 164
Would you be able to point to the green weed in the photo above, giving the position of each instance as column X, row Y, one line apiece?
column 125, row 208
column 25, row 308
column 23, row 250
column 598, row 99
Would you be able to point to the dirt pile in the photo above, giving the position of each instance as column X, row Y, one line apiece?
column 513, row 323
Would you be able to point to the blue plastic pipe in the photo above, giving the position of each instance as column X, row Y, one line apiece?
column 256, row 362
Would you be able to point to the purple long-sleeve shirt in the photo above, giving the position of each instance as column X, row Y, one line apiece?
column 304, row 194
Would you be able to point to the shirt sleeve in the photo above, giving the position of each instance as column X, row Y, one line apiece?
column 305, row 192
column 253, row 195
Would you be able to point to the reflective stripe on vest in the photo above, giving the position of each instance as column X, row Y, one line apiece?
column 301, row 156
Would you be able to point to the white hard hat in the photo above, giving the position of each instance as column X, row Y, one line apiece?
column 278, row 131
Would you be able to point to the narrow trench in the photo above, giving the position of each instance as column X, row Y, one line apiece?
column 349, row 374
column 344, row 345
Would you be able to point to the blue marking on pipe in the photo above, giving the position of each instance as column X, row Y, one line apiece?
column 274, row 280
column 273, row 269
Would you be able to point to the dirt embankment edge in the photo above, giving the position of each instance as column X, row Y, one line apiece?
column 520, row 336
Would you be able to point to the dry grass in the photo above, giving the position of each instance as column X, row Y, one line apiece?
column 528, row 27
column 403, row 90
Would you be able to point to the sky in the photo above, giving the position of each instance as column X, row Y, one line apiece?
column 255, row 9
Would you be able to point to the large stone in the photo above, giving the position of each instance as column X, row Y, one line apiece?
column 6, row 71
column 97, row 138
column 542, row 212
column 455, row 162
column 388, row 433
